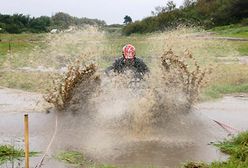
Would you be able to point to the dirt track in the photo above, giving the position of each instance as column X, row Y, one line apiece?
column 168, row 150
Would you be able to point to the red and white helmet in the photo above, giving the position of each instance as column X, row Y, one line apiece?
column 128, row 51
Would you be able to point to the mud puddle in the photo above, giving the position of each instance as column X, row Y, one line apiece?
column 231, row 110
column 185, row 137
column 166, row 150
column 12, row 132
column 13, row 105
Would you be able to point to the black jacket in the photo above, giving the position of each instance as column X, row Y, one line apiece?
column 120, row 65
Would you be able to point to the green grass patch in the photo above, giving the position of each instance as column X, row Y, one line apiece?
column 226, row 79
column 237, row 31
column 9, row 153
column 232, row 31
column 18, row 43
column 72, row 157
column 28, row 81
column 196, row 165
column 77, row 159
column 236, row 147
column 217, row 91
column 242, row 47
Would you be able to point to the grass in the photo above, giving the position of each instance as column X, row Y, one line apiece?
column 237, row 148
column 217, row 91
column 18, row 43
column 196, row 165
column 8, row 153
column 242, row 47
column 237, row 31
column 72, row 157
column 226, row 79
column 28, row 81
column 77, row 159
column 104, row 48
column 232, row 31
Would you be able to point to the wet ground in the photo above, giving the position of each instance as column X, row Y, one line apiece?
column 185, row 137
column 231, row 110
column 12, row 101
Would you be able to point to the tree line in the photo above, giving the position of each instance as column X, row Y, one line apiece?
column 19, row 23
column 206, row 13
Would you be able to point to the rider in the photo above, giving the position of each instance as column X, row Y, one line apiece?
column 129, row 61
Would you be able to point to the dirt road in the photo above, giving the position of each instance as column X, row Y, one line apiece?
column 187, row 137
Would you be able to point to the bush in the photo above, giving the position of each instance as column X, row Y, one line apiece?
column 204, row 13
column 244, row 22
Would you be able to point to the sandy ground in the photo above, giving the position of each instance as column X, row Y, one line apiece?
column 169, row 150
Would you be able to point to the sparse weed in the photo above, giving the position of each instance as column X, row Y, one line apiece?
column 72, row 157
column 237, row 148
column 196, row 165
column 8, row 152
column 78, row 160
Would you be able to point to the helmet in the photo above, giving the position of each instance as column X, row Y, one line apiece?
column 128, row 51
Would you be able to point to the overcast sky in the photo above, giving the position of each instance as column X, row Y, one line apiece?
column 112, row 11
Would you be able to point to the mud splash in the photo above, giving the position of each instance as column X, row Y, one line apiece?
column 107, row 117
column 166, row 148
column 111, row 121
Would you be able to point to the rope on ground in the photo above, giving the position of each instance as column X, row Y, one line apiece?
column 226, row 127
column 50, row 143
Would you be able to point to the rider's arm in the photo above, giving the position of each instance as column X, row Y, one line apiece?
column 107, row 70
column 145, row 68
column 142, row 67
column 113, row 67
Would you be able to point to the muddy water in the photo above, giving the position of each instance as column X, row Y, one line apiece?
column 101, row 145
column 185, row 137
column 12, row 132
column 13, row 105
column 231, row 110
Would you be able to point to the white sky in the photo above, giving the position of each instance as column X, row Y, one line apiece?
column 112, row 11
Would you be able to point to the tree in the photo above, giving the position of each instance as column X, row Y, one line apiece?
column 127, row 19
column 188, row 3
column 239, row 9
column 62, row 20
column 170, row 6
column 158, row 10
column 40, row 24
